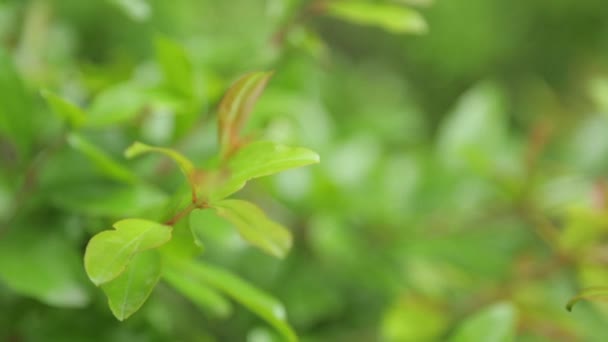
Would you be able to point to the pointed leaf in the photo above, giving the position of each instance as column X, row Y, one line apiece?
column 101, row 160
column 109, row 252
column 255, row 227
column 258, row 159
column 392, row 18
column 130, row 290
column 257, row 301
column 592, row 293
column 199, row 292
column 235, row 107
column 64, row 109
column 184, row 163
column 176, row 66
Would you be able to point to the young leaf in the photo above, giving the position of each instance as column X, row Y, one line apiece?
column 235, row 107
column 257, row 301
column 130, row 290
column 64, row 109
column 592, row 293
column 258, row 159
column 207, row 298
column 104, row 163
column 184, row 163
column 494, row 324
column 109, row 252
column 255, row 227
column 392, row 18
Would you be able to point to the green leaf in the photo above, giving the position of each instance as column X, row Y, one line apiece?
column 44, row 266
column 101, row 160
column 108, row 200
column 392, row 18
column 236, row 105
column 207, row 298
column 138, row 10
column 184, row 163
column 255, row 227
column 494, row 324
column 109, row 252
column 258, row 159
column 592, row 293
column 257, row 301
column 117, row 104
column 176, row 67
column 65, row 109
column 130, row 290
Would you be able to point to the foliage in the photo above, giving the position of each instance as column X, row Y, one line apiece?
column 461, row 196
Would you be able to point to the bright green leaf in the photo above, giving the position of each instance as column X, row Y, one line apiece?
column 392, row 18
column 258, row 159
column 130, row 290
column 102, row 161
column 494, row 324
column 109, row 252
column 138, row 10
column 176, row 67
column 257, row 301
column 255, row 227
column 236, row 105
column 207, row 298
column 43, row 266
column 65, row 109
column 592, row 293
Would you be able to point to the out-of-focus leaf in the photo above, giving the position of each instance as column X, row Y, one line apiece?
column 44, row 266
column 496, row 323
column 255, row 227
column 592, row 293
column 109, row 252
column 475, row 131
column 64, row 109
column 110, row 200
column 176, row 67
column 258, row 159
column 130, row 290
column 236, row 105
column 16, row 110
column 392, row 18
column 257, row 301
column 117, row 104
column 138, row 10
column 207, row 298
column 412, row 320
column 184, row 163
column 102, row 161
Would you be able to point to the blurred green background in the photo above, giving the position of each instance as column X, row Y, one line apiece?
column 462, row 192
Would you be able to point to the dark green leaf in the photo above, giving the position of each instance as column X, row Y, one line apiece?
column 109, row 252
column 43, row 266
column 252, row 298
column 255, row 227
